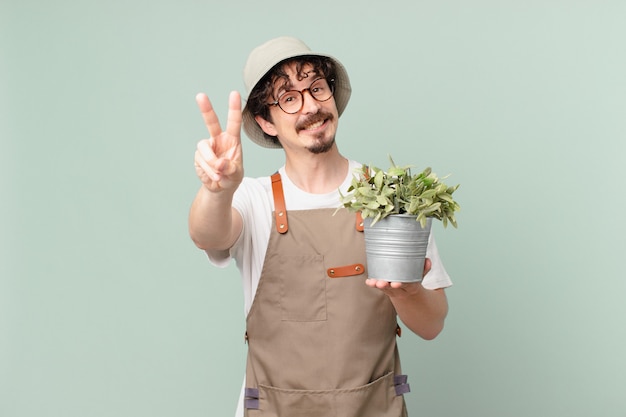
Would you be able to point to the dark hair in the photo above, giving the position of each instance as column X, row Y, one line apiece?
column 264, row 89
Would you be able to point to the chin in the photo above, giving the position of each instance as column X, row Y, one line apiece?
column 321, row 147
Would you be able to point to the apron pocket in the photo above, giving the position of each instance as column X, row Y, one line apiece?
column 302, row 288
column 376, row 399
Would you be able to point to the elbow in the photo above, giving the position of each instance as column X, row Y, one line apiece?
column 431, row 333
column 201, row 241
column 199, row 244
column 430, row 329
column 207, row 243
column 197, row 239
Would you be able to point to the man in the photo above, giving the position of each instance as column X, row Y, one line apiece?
column 319, row 344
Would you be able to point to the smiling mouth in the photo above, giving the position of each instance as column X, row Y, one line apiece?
column 315, row 122
column 313, row 126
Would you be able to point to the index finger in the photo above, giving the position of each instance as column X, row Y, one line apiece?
column 208, row 114
column 233, row 125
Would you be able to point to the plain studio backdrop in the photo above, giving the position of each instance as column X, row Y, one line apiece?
column 108, row 309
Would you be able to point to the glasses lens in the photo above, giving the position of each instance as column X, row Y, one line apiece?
column 290, row 102
column 320, row 90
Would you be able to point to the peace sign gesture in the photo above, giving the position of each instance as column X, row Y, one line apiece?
column 218, row 159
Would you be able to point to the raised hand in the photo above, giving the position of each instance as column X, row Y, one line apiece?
column 218, row 159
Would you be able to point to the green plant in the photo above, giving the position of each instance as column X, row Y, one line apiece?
column 378, row 194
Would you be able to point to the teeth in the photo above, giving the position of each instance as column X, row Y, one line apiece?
column 314, row 125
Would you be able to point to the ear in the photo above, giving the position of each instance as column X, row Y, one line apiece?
column 266, row 126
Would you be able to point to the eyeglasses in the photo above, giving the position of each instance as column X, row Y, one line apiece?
column 292, row 101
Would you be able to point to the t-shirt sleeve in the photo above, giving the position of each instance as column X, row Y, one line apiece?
column 437, row 277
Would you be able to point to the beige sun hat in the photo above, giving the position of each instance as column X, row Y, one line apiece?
column 264, row 58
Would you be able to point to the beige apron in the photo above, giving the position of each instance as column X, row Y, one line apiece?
column 320, row 341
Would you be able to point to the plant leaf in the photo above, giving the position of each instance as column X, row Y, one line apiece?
column 378, row 179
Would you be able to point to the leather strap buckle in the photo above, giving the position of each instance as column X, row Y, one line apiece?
column 280, row 210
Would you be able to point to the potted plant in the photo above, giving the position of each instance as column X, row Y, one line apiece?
column 397, row 208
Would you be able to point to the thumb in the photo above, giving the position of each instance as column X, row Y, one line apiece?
column 226, row 166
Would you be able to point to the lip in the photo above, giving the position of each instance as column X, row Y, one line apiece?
column 324, row 119
column 317, row 127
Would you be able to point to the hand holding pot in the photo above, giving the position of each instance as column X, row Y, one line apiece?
column 398, row 289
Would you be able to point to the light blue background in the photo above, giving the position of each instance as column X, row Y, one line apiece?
column 107, row 308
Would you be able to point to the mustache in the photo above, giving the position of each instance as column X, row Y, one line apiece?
column 320, row 116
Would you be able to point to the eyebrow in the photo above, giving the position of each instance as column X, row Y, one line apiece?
column 287, row 85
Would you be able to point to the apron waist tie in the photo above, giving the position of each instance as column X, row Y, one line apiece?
column 252, row 394
column 402, row 387
column 252, row 399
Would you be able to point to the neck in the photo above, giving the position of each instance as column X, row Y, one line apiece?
column 317, row 173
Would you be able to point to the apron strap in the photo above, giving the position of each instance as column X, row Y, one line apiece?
column 359, row 217
column 359, row 222
column 280, row 210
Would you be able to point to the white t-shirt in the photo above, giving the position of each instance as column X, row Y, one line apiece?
column 254, row 200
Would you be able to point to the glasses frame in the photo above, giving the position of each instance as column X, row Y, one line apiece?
column 331, row 85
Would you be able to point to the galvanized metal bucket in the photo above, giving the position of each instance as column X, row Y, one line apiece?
column 396, row 248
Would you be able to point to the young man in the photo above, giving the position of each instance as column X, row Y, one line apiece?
column 320, row 343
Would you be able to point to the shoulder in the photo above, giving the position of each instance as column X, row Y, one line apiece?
column 252, row 191
column 249, row 184
column 253, row 200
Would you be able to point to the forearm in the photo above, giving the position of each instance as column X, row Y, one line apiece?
column 422, row 311
column 212, row 223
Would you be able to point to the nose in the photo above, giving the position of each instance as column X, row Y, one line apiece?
column 309, row 104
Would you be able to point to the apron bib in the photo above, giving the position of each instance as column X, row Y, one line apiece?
column 320, row 341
